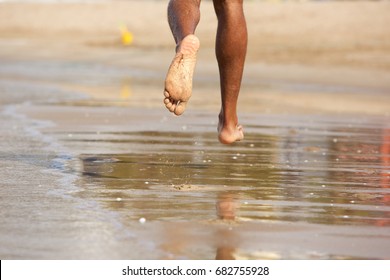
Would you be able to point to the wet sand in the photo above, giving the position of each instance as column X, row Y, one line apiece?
column 94, row 167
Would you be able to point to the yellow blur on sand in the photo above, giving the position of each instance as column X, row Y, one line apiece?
column 126, row 36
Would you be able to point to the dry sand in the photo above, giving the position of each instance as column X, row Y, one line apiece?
column 330, row 33
column 335, row 46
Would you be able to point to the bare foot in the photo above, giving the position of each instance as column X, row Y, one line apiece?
column 178, row 83
column 228, row 134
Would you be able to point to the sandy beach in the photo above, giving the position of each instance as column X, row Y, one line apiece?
column 328, row 45
column 94, row 167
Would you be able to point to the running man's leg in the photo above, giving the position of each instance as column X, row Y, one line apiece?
column 183, row 18
column 231, row 45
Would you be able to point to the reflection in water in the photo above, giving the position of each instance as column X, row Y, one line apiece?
column 385, row 173
column 125, row 91
column 226, row 211
column 323, row 177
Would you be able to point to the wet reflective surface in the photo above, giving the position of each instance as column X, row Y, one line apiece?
column 293, row 189
column 115, row 176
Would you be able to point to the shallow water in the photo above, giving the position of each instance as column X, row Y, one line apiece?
column 293, row 189
column 108, row 178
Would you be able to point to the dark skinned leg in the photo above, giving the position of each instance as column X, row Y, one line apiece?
column 231, row 45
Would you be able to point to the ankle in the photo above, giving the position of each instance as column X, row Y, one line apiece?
column 229, row 124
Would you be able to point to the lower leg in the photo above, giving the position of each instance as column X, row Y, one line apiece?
column 183, row 17
column 231, row 44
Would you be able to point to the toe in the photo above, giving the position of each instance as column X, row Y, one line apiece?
column 180, row 108
column 172, row 108
column 168, row 105
column 240, row 133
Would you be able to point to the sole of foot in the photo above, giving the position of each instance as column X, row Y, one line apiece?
column 178, row 82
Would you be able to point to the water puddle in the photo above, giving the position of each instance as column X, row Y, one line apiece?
column 318, row 189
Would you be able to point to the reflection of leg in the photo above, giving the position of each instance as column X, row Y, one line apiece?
column 225, row 253
column 231, row 44
column 226, row 210
column 385, row 151
column 226, row 207
column 385, row 180
column 183, row 17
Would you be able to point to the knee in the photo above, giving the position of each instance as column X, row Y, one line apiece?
column 227, row 7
